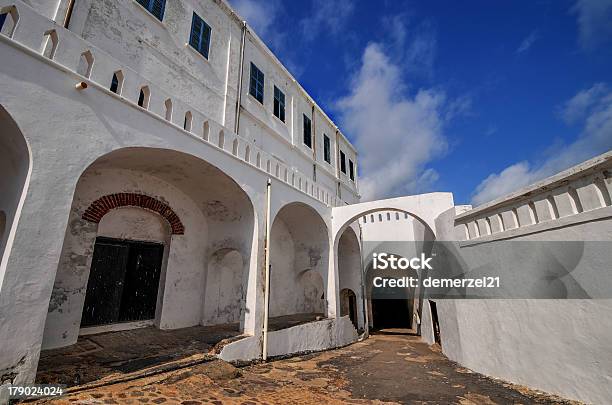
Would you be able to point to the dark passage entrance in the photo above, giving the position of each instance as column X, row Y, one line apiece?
column 348, row 302
column 123, row 282
column 434, row 321
column 391, row 313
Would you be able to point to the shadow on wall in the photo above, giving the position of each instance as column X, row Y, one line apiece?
column 14, row 169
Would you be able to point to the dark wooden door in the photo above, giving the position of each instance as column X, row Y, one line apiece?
column 141, row 282
column 105, row 284
column 123, row 282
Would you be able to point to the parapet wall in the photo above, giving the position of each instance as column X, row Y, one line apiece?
column 578, row 194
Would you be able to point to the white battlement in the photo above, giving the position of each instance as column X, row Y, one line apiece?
column 581, row 193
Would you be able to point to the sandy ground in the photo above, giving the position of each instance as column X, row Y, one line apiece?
column 386, row 368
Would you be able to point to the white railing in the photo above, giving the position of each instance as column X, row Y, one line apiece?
column 584, row 188
column 61, row 46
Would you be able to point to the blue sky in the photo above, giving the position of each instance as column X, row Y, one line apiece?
column 474, row 97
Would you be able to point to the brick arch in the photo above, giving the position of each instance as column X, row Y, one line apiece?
column 103, row 205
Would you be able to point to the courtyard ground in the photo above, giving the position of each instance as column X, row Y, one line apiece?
column 386, row 368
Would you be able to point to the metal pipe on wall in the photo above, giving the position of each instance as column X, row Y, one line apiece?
column 264, row 350
column 240, row 78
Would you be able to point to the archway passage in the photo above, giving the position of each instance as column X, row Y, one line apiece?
column 156, row 240
column 351, row 278
column 14, row 168
column 299, row 262
column 395, row 232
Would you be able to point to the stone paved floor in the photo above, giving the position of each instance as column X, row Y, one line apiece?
column 117, row 355
column 387, row 368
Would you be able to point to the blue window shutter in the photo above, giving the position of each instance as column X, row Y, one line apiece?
column 2, row 19
column 196, row 31
column 144, row 3
column 205, row 43
column 157, row 8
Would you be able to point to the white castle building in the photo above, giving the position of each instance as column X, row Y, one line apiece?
column 162, row 140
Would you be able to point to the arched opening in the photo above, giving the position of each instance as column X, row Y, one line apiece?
column 188, row 121
column 49, row 45
column 407, row 236
column 14, row 170
column 205, row 130
column 117, row 82
column 350, row 276
column 299, row 264
column 348, row 305
column 168, row 107
column 181, row 243
column 221, row 140
column 9, row 17
column 144, row 97
column 86, row 62
column 235, row 147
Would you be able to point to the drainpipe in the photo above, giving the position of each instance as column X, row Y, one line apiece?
column 264, row 354
column 68, row 13
column 240, row 78
column 313, row 136
column 338, row 182
column 364, row 298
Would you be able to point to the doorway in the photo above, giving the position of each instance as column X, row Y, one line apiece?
column 435, row 322
column 349, row 305
column 123, row 282
column 392, row 313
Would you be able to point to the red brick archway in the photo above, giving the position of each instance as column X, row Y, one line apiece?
column 103, row 205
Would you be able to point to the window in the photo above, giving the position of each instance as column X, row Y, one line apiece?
column 155, row 7
column 351, row 170
column 144, row 97
column 257, row 83
column 117, row 82
column 307, row 132
column 326, row 149
column 200, row 35
column 279, row 104
column 114, row 84
column 343, row 162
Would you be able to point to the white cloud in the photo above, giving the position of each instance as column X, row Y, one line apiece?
column 593, row 107
column 527, row 42
column 415, row 45
column 577, row 107
column 594, row 18
column 260, row 14
column 326, row 16
column 396, row 133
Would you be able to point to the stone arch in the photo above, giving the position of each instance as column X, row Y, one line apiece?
column 103, row 205
column 140, row 184
column 15, row 168
column 299, row 257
